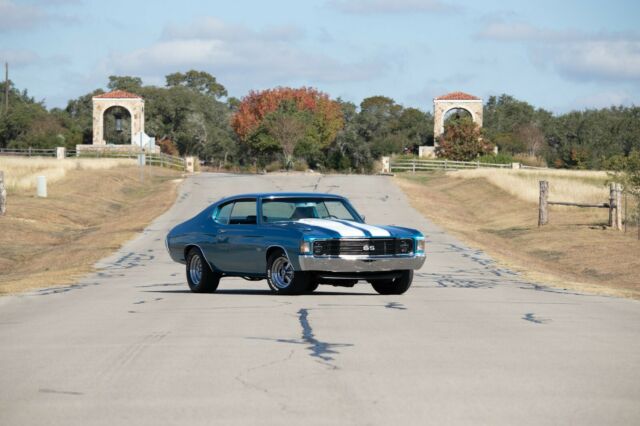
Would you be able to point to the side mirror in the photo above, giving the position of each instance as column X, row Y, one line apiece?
column 363, row 217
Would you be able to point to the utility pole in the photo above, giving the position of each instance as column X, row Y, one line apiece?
column 6, row 87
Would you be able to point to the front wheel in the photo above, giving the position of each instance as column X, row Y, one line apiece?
column 200, row 277
column 398, row 285
column 282, row 278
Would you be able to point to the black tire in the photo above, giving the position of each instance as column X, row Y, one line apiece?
column 282, row 278
column 397, row 285
column 207, row 280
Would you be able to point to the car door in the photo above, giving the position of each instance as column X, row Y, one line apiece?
column 240, row 243
column 212, row 239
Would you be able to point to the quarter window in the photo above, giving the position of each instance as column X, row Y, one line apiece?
column 222, row 214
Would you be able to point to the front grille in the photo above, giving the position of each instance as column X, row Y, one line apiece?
column 363, row 247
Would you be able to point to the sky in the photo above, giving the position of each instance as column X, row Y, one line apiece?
column 557, row 55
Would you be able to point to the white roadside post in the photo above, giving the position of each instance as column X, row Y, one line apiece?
column 42, row 186
column 386, row 165
column 190, row 164
column 3, row 195
column 142, row 159
column 61, row 152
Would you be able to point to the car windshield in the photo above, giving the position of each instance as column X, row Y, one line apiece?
column 294, row 209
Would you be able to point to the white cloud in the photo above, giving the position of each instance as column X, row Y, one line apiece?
column 573, row 54
column 602, row 100
column 239, row 56
column 19, row 16
column 18, row 58
column 370, row 7
column 209, row 28
column 590, row 60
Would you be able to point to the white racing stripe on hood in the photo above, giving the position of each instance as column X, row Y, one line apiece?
column 332, row 225
column 375, row 231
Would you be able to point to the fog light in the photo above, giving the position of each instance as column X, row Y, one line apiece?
column 305, row 247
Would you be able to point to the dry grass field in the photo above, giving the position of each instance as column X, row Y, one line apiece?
column 564, row 185
column 93, row 207
column 497, row 211
column 20, row 173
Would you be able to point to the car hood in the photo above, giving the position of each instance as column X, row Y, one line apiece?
column 332, row 228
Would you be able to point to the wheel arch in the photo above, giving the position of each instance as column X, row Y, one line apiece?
column 188, row 248
column 275, row 248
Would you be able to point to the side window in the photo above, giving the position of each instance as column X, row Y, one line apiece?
column 243, row 213
column 223, row 213
column 273, row 211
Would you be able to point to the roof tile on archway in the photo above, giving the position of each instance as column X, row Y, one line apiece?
column 457, row 96
column 118, row 94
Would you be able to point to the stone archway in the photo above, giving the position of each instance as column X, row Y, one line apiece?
column 117, row 125
column 451, row 101
column 134, row 104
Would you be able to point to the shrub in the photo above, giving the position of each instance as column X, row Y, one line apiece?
column 300, row 166
column 461, row 141
column 274, row 166
column 497, row 159
column 530, row 160
column 167, row 146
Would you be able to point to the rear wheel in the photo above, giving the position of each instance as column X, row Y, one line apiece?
column 282, row 278
column 200, row 277
column 397, row 285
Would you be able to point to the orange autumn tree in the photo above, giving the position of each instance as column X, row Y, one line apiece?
column 303, row 122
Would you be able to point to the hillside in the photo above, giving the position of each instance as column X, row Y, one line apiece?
column 497, row 212
column 93, row 207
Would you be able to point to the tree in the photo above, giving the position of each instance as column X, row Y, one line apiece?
column 416, row 127
column 199, row 81
column 127, row 83
column 462, row 141
column 626, row 170
column 287, row 126
column 531, row 138
column 300, row 121
column 516, row 126
column 350, row 150
column 378, row 118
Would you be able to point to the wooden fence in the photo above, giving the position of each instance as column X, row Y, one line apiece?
column 151, row 159
column 418, row 165
column 614, row 205
column 28, row 152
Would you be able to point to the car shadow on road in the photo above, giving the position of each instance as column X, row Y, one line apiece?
column 256, row 292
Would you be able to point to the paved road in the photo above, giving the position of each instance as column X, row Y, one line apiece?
column 470, row 343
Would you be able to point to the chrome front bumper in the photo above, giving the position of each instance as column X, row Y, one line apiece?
column 360, row 263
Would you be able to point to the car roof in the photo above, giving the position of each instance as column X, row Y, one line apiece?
column 273, row 195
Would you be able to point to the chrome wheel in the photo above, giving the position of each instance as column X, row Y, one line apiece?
column 195, row 269
column 282, row 272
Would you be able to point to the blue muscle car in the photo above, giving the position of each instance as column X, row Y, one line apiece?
column 296, row 241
